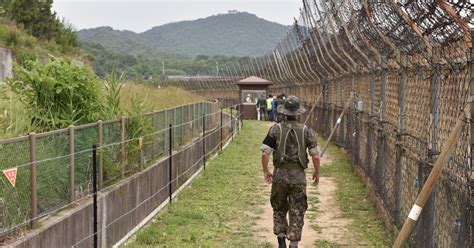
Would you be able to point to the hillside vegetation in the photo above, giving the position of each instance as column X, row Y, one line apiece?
column 31, row 29
column 232, row 34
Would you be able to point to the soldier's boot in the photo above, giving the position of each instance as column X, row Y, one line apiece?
column 281, row 242
column 293, row 244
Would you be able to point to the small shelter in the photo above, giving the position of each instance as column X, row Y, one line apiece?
column 250, row 89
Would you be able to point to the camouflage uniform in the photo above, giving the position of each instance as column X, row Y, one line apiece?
column 288, row 193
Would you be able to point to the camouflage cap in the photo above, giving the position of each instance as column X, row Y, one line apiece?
column 291, row 106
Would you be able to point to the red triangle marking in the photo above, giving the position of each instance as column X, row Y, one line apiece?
column 11, row 175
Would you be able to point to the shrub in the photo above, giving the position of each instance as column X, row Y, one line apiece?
column 57, row 93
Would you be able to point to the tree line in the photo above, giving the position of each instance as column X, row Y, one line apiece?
column 105, row 61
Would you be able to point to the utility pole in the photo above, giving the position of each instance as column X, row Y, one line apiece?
column 163, row 67
column 217, row 68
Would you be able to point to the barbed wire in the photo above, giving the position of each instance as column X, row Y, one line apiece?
column 410, row 62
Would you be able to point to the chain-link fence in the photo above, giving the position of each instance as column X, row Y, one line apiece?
column 54, row 169
column 409, row 64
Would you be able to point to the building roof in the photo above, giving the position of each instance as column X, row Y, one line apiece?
column 254, row 81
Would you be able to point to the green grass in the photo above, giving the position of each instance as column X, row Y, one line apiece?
column 215, row 210
column 353, row 199
column 325, row 244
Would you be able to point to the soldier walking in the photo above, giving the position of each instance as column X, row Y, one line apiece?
column 289, row 142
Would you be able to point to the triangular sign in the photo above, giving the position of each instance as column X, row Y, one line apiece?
column 11, row 175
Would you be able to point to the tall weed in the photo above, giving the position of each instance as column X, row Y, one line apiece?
column 112, row 95
column 14, row 120
column 57, row 93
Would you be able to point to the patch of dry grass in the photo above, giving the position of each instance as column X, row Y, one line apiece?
column 155, row 98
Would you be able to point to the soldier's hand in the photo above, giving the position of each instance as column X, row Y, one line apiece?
column 268, row 176
column 316, row 178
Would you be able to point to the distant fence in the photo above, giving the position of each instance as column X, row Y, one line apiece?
column 55, row 168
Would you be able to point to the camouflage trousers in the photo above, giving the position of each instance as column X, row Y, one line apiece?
column 288, row 196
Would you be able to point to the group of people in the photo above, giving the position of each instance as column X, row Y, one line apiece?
column 267, row 107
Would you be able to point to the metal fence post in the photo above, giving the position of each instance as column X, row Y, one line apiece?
column 170, row 162
column 241, row 117
column 379, row 173
column 232, row 123
column 471, row 89
column 71, row 164
column 123, row 131
column 368, row 153
column 142, row 158
column 204, row 140
column 399, row 140
column 154, row 139
column 428, row 216
column 222, row 130
column 101, row 153
column 165, row 140
column 33, row 174
column 194, row 119
column 94, row 196
column 181, row 127
column 175, row 131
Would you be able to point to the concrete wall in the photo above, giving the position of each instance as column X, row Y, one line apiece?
column 6, row 62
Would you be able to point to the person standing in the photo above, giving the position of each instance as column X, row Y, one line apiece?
column 261, row 107
column 269, row 108
column 274, row 109
column 278, row 101
column 289, row 142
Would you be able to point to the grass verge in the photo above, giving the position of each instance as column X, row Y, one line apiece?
column 353, row 199
column 214, row 210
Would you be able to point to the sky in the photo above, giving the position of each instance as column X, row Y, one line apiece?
column 141, row 15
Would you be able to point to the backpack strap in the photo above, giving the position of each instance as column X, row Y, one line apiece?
column 280, row 154
column 302, row 156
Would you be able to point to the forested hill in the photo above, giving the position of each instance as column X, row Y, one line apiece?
column 239, row 34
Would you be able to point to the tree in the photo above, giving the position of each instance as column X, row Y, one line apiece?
column 35, row 16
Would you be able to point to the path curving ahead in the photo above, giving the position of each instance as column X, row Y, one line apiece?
column 228, row 205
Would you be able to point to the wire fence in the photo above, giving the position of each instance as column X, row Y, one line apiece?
column 410, row 65
column 54, row 169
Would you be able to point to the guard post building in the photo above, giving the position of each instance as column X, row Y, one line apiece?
column 249, row 90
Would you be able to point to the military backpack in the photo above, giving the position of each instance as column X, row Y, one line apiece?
column 280, row 157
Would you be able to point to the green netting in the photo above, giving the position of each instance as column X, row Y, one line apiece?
column 15, row 201
column 178, row 130
column 85, row 138
column 111, row 151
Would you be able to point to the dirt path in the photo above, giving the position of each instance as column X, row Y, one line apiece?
column 265, row 222
column 323, row 221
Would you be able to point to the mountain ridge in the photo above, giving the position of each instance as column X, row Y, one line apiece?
column 232, row 34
